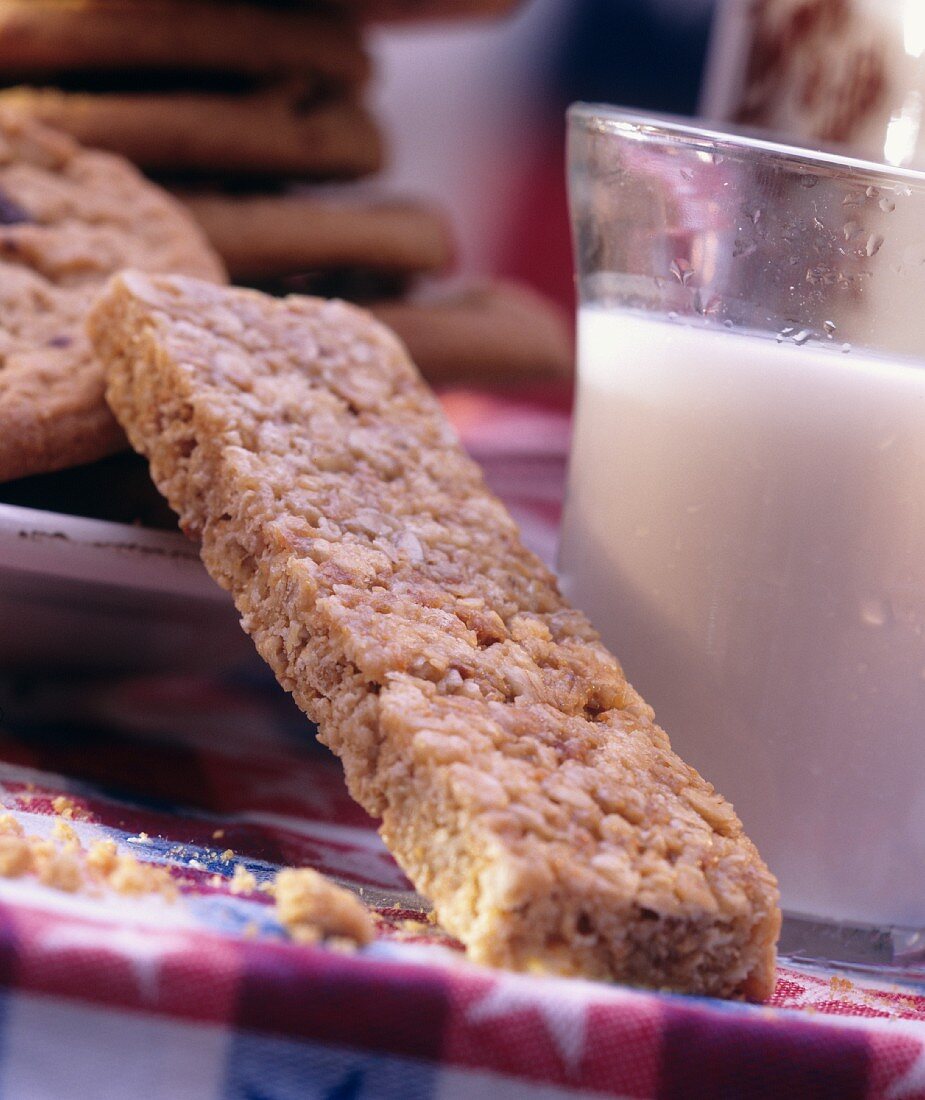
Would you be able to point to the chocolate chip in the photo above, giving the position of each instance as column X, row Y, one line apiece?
column 60, row 342
column 11, row 213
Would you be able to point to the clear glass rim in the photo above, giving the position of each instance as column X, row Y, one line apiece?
column 671, row 129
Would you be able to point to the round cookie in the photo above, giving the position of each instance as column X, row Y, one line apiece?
column 488, row 332
column 269, row 132
column 260, row 236
column 69, row 218
column 407, row 11
column 42, row 36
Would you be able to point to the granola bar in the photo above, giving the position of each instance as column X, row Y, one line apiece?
column 522, row 783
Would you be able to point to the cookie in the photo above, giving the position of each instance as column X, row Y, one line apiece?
column 487, row 332
column 264, row 133
column 522, row 783
column 416, row 10
column 41, row 37
column 69, row 218
column 272, row 235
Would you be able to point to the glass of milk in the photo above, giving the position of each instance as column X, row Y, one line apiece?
column 745, row 518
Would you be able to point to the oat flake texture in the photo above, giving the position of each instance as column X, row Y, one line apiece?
column 521, row 782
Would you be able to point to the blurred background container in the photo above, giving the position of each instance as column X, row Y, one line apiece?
column 476, row 113
column 847, row 74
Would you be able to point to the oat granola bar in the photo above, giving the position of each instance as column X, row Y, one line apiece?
column 522, row 783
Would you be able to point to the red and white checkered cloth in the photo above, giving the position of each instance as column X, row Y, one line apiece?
column 112, row 997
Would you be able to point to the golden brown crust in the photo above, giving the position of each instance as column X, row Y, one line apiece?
column 521, row 781
column 265, row 235
column 69, row 218
column 265, row 132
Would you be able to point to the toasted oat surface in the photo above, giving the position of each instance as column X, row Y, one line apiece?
column 70, row 218
column 521, row 782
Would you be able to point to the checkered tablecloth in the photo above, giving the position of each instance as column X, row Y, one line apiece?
column 204, row 997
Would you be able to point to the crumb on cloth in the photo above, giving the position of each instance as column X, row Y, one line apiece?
column 64, row 806
column 62, row 831
column 60, row 862
column 242, row 881
column 312, row 909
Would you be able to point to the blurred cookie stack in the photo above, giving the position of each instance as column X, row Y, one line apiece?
column 245, row 108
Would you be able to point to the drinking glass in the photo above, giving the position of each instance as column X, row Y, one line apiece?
column 745, row 517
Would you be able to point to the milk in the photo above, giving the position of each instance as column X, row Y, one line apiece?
column 745, row 523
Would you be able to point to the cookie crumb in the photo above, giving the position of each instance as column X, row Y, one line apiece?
column 312, row 909
column 10, row 826
column 218, row 834
column 61, row 830
column 102, row 856
column 415, row 927
column 64, row 806
column 227, row 855
column 15, row 856
column 132, row 877
column 242, row 881
column 60, row 862
column 58, row 868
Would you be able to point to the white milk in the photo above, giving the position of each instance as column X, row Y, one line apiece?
column 746, row 526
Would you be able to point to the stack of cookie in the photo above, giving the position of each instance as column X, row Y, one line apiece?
column 195, row 86
column 243, row 108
